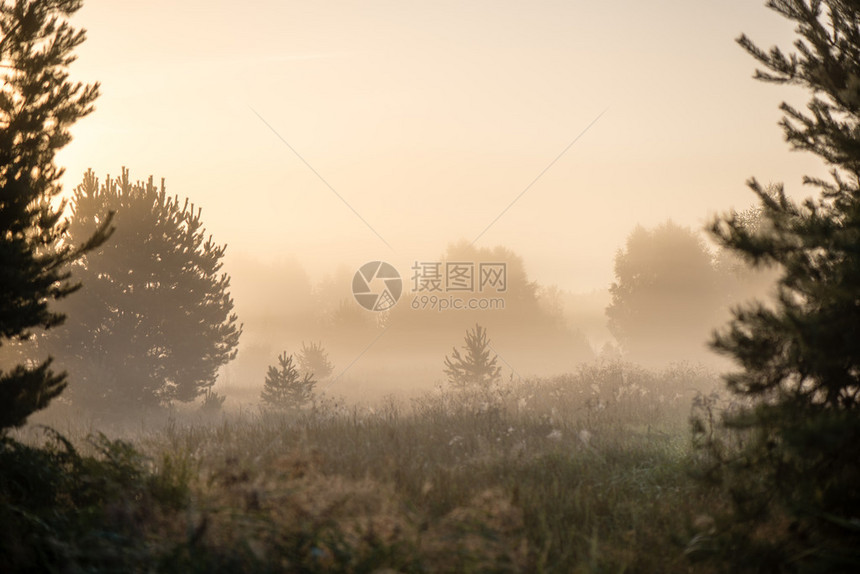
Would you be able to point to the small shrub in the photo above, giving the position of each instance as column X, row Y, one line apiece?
column 212, row 402
column 285, row 387
column 63, row 511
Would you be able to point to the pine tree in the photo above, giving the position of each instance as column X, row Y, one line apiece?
column 156, row 320
column 799, row 382
column 313, row 359
column 285, row 387
column 477, row 369
column 38, row 104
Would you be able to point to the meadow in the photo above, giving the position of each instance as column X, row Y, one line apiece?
column 587, row 472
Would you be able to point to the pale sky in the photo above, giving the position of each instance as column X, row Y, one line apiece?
column 429, row 118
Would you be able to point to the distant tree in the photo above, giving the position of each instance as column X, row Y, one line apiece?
column 285, row 387
column 522, row 298
column 521, row 314
column 550, row 300
column 346, row 317
column 38, row 104
column 313, row 359
column 665, row 296
column 155, row 322
column 477, row 369
column 799, row 357
column 212, row 402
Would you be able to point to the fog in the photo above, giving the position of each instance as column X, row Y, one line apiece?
column 319, row 138
column 428, row 286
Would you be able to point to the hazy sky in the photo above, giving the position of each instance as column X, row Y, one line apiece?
column 429, row 118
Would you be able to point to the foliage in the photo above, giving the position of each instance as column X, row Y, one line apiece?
column 313, row 359
column 738, row 280
column 38, row 104
column 477, row 369
column 578, row 473
column 433, row 486
column 64, row 511
column 285, row 387
column 665, row 293
column 794, row 479
column 156, row 320
column 212, row 401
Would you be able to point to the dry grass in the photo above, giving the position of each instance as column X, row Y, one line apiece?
column 582, row 473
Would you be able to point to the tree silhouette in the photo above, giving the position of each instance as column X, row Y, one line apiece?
column 665, row 294
column 156, row 321
column 523, row 314
column 38, row 104
column 212, row 401
column 313, row 359
column 477, row 369
column 799, row 357
column 285, row 387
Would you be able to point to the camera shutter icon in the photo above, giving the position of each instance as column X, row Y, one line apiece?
column 377, row 286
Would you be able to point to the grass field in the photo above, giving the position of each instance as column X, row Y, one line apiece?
column 581, row 473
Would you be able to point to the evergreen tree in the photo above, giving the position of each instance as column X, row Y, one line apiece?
column 285, row 387
column 313, row 359
column 156, row 320
column 477, row 369
column 38, row 104
column 212, row 402
column 739, row 281
column 799, row 381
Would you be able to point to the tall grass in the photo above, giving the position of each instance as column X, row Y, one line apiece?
column 580, row 473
